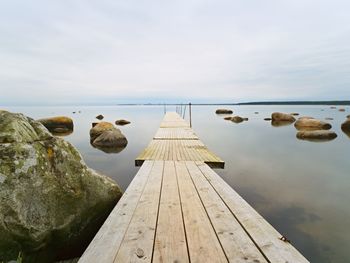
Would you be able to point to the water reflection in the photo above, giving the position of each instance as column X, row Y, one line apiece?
column 61, row 133
column 110, row 149
column 281, row 123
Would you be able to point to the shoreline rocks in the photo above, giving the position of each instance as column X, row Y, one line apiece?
column 49, row 197
column 122, row 122
column 59, row 125
column 107, row 138
column 282, row 117
column 223, row 111
column 316, row 136
column 311, row 124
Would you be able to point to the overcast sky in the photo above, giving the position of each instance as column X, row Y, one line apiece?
column 107, row 51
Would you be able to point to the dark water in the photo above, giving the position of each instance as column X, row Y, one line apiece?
column 300, row 187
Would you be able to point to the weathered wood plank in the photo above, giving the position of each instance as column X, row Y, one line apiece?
column 170, row 245
column 236, row 243
column 203, row 244
column 137, row 245
column 108, row 239
column 261, row 232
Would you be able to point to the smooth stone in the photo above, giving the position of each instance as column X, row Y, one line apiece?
column 112, row 138
column 342, row 110
column 122, row 122
column 237, row 119
column 306, row 118
column 316, row 136
column 57, row 124
column 228, row 118
column 345, row 127
column 279, row 116
column 99, row 128
column 223, row 111
column 311, row 124
column 99, row 117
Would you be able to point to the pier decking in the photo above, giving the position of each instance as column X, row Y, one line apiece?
column 177, row 209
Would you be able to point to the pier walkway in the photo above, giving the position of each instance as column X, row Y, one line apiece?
column 177, row 209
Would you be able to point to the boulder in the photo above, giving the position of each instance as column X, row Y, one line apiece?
column 107, row 138
column 99, row 117
column 345, row 127
column 311, row 124
column 223, row 111
column 317, row 136
column 122, row 122
column 48, row 196
column 282, row 117
column 58, row 125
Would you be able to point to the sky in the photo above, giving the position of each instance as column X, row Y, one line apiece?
column 112, row 51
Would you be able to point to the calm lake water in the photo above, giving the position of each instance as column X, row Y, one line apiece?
column 302, row 188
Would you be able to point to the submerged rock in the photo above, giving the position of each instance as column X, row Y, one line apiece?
column 58, row 125
column 99, row 117
column 311, row 124
column 122, row 122
column 267, row 119
column 48, row 196
column 228, row 118
column 282, row 117
column 108, row 138
column 223, row 111
column 317, row 136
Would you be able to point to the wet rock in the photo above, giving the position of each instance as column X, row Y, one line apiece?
column 311, row 124
column 49, row 197
column 267, row 119
column 237, row 119
column 107, row 137
column 228, row 118
column 342, row 109
column 345, row 127
column 122, row 122
column 316, row 136
column 99, row 117
column 58, row 125
column 282, row 117
column 223, row 111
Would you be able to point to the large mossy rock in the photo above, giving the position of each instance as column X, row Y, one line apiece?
column 48, row 195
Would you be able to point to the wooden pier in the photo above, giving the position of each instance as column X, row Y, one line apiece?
column 177, row 209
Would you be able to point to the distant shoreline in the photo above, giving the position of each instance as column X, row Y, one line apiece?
column 336, row 103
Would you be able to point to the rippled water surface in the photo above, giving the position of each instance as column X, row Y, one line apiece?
column 302, row 188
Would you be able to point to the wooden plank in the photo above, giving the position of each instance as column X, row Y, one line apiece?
column 170, row 245
column 236, row 243
column 107, row 241
column 261, row 232
column 137, row 245
column 203, row 244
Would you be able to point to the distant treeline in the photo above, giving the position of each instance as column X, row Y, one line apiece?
column 330, row 102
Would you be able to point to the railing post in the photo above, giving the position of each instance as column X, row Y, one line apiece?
column 190, row 109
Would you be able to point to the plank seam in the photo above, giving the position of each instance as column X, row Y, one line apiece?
column 182, row 214
column 245, row 230
column 211, row 223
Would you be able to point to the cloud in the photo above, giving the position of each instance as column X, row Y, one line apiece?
column 97, row 51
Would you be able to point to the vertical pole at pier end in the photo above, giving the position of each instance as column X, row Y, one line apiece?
column 190, row 109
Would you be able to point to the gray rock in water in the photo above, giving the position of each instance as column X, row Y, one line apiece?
column 48, row 196
column 99, row 117
column 311, row 124
column 282, row 117
column 223, row 111
column 237, row 119
column 122, row 122
column 106, row 137
column 316, row 136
